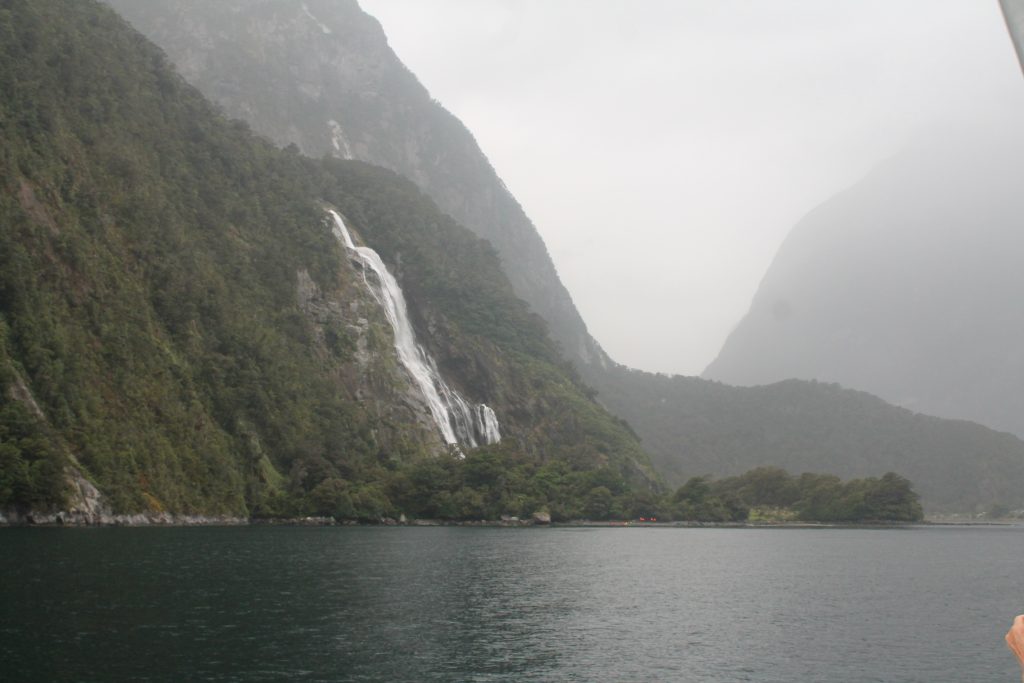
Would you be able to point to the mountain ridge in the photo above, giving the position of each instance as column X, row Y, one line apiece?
column 195, row 340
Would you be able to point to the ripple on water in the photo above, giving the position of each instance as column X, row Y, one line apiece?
column 464, row 604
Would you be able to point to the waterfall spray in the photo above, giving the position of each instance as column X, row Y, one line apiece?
column 459, row 422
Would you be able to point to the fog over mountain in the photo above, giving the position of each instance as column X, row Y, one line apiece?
column 681, row 140
column 907, row 285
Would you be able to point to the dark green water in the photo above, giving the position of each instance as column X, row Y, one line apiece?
column 465, row 604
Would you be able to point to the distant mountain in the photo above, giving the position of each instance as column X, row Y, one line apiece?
column 321, row 76
column 181, row 331
column 908, row 285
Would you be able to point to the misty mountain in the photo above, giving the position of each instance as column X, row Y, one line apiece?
column 693, row 427
column 906, row 285
column 181, row 331
column 291, row 69
column 320, row 75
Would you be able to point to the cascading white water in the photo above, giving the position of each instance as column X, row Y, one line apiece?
column 487, row 424
column 460, row 424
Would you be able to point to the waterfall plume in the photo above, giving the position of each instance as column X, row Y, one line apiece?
column 460, row 423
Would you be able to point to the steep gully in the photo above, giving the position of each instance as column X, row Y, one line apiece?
column 460, row 423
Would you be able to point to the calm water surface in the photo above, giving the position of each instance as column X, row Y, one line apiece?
column 465, row 604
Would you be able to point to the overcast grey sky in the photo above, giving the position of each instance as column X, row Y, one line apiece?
column 664, row 148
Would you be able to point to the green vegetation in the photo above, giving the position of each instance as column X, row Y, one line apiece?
column 174, row 302
column 250, row 70
column 500, row 481
column 487, row 484
column 689, row 426
column 31, row 461
column 769, row 493
column 692, row 426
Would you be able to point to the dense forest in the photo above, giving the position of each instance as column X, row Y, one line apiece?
column 179, row 326
column 772, row 494
column 493, row 482
column 693, row 427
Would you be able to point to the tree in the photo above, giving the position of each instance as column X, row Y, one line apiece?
column 598, row 504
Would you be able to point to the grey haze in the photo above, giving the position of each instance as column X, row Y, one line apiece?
column 665, row 149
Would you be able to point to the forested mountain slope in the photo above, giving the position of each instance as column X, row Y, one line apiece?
column 907, row 285
column 320, row 75
column 179, row 326
column 694, row 427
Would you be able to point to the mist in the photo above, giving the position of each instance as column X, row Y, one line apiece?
column 665, row 154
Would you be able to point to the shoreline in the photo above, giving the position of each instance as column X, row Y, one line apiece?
column 12, row 519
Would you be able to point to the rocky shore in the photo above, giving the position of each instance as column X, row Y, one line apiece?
column 83, row 518
column 64, row 518
column 67, row 519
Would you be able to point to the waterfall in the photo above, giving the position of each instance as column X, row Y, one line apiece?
column 459, row 422
column 487, row 424
column 339, row 140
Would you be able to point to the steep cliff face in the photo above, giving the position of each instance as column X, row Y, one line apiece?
column 320, row 75
column 907, row 286
column 180, row 327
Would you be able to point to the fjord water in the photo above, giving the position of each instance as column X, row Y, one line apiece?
column 492, row 604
